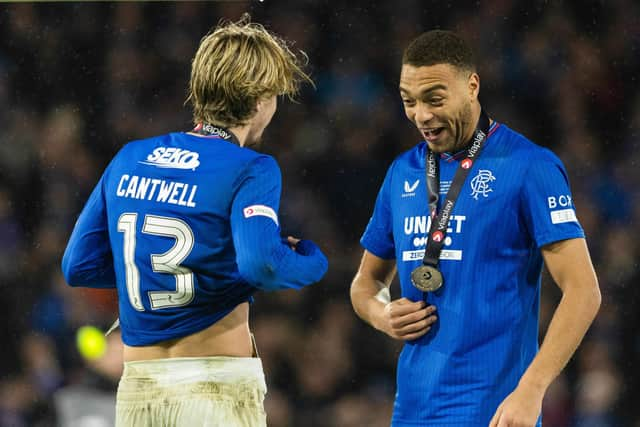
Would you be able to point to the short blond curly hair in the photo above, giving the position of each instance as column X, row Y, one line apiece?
column 236, row 65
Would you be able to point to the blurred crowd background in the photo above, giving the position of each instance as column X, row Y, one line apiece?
column 79, row 80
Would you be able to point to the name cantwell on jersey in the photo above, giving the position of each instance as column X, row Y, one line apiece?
column 159, row 190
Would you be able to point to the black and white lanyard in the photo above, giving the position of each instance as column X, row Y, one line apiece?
column 439, row 222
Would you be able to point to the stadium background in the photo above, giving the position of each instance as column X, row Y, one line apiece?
column 79, row 80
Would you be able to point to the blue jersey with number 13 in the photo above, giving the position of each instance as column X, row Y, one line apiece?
column 186, row 227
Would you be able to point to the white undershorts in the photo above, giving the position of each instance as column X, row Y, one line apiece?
column 192, row 392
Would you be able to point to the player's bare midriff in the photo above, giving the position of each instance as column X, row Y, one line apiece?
column 230, row 336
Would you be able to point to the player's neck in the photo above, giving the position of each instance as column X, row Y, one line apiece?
column 475, row 119
column 241, row 132
column 473, row 124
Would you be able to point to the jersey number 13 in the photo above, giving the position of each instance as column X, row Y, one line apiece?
column 167, row 263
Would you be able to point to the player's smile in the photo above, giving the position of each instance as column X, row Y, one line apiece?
column 432, row 134
column 438, row 99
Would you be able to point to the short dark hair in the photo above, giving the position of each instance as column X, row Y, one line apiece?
column 439, row 47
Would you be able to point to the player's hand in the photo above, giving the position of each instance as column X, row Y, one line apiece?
column 302, row 246
column 520, row 409
column 407, row 320
column 292, row 242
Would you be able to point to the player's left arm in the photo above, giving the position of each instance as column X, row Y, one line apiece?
column 87, row 260
column 570, row 265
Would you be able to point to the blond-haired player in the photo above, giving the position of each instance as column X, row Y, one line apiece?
column 186, row 226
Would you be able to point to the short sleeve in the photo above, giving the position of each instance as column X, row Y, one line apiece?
column 378, row 236
column 547, row 203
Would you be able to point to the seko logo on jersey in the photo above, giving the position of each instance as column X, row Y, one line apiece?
column 419, row 226
column 172, row 157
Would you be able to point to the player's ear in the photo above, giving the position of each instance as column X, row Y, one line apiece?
column 259, row 105
column 265, row 102
column 474, row 86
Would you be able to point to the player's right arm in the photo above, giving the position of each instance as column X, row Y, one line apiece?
column 87, row 260
column 263, row 258
column 401, row 319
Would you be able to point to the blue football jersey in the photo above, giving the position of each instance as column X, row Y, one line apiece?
column 515, row 200
column 186, row 227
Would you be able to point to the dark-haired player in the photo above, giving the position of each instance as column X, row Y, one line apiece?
column 467, row 218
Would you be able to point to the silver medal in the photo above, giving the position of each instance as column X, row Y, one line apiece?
column 426, row 278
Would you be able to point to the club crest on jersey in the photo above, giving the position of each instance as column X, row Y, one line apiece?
column 409, row 189
column 480, row 183
column 173, row 157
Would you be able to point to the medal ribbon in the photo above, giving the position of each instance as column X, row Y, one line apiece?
column 440, row 222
